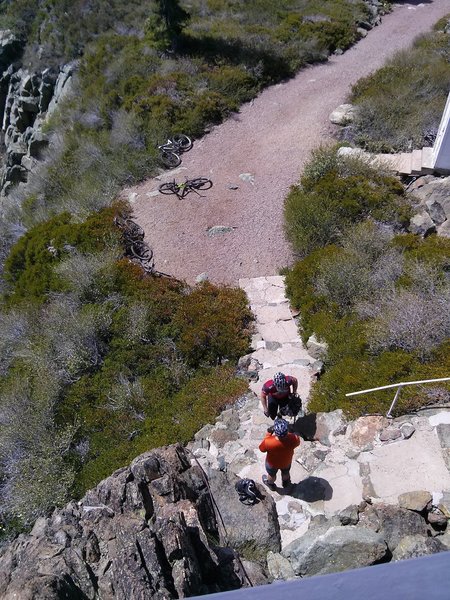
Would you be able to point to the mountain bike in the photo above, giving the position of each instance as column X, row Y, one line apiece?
column 144, row 254
column 183, row 189
column 131, row 231
column 170, row 151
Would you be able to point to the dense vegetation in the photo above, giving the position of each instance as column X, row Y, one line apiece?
column 100, row 362
column 379, row 297
column 400, row 105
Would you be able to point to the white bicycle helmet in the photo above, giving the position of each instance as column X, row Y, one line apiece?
column 280, row 382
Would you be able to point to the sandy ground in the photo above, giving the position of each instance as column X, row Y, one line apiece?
column 262, row 150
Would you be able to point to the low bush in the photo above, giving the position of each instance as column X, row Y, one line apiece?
column 213, row 323
column 106, row 361
column 166, row 416
column 355, row 373
column 336, row 192
column 29, row 268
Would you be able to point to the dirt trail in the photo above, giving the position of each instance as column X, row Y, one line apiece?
column 270, row 139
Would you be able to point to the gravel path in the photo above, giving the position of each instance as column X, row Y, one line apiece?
column 262, row 150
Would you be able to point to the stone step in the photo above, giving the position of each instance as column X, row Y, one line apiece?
column 416, row 162
column 390, row 160
column 404, row 163
column 427, row 161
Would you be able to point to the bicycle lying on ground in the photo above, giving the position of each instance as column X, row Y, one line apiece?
column 183, row 189
column 171, row 150
column 131, row 231
column 135, row 247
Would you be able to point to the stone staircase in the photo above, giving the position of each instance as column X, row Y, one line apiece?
column 415, row 163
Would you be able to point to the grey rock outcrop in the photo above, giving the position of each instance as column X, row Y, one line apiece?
column 148, row 531
column 252, row 531
column 393, row 523
column 412, row 546
column 10, row 48
column 26, row 101
column 338, row 549
column 432, row 196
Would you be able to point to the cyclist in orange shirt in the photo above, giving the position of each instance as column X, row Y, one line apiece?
column 279, row 446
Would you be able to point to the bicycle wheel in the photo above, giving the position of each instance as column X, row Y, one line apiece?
column 182, row 142
column 120, row 222
column 142, row 251
column 170, row 159
column 201, row 183
column 169, row 188
column 133, row 230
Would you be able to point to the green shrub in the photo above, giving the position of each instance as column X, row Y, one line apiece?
column 336, row 192
column 352, row 374
column 168, row 419
column 380, row 302
column 214, row 324
column 29, row 268
column 35, row 474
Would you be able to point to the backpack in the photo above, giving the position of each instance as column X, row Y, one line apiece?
column 292, row 407
column 247, row 491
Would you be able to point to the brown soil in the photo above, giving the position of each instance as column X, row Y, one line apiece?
column 270, row 139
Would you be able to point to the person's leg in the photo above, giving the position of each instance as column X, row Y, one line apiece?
column 272, row 407
column 286, row 476
column 271, row 476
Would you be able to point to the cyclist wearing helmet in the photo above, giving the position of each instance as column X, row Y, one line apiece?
column 276, row 392
column 279, row 445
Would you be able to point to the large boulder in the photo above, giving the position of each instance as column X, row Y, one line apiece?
column 417, row 500
column 422, row 224
column 150, row 530
column 413, row 546
column 315, row 348
column 343, row 114
column 393, row 523
column 364, row 431
column 435, row 210
column 435, row 190
column 338, row 549
column 328, row 425
column 252, row 530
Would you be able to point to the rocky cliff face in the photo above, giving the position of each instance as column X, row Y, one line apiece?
column 151, row 530
column 26, row 101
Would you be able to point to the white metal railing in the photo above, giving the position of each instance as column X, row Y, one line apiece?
column 399, row 386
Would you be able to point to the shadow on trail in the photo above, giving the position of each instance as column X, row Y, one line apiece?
column 274, row 67
column 306, row 427
column 312, row 489
column 413, row 2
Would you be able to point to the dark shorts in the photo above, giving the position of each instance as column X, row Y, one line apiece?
column 273, row 404
column 272, row 471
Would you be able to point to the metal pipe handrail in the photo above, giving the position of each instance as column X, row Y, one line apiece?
column 396, row 385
